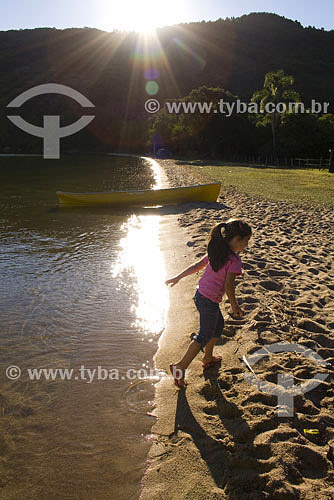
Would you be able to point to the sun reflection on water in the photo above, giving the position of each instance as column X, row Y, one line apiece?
column 141, row 258
column 156, row 171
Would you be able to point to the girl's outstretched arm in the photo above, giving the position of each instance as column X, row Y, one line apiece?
column 230, row 292
column 197, row 266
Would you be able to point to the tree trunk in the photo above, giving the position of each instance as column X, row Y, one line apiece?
column 331, row 161
column 273, row 129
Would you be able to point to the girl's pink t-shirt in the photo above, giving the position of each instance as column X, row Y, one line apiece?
column 212, row 284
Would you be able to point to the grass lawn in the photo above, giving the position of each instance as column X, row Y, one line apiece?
column 310, row 186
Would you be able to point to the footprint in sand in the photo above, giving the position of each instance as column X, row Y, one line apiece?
column 304, row 372
column 234, row 371
column 268, row 337
column 262, row 451
column 311, row 344
column 306, row 312
column 323, row 340
column 253, row 273
column 321, row 321
column 248, row 300
column 289, row 297
column 248, row 307
column 262, row 316
column 260, row 264
column 260, row 397
column 293, row 291
column 247, row 266
column 304, row 304
column 311, row 326
column 278, row 272
column 271, row 285
column 306, row 458
column 327, row 354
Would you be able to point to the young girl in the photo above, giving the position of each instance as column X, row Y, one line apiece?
column 223, row 264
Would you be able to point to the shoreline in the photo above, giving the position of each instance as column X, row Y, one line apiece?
column 221, row 438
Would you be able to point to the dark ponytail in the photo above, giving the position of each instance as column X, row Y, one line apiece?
column 218, row 245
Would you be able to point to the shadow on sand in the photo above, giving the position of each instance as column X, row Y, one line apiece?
column 158, row 210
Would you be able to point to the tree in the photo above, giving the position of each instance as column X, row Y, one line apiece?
column 277, row 89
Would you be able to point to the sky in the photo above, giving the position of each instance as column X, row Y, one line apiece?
column 145, row 15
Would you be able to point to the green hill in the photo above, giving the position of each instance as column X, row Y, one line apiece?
column 108, row 68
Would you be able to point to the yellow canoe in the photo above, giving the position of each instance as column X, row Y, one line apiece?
column 146, row 197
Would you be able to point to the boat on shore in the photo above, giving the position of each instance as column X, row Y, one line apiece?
column 144, row 197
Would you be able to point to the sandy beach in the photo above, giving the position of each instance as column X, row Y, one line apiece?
column 222, row 437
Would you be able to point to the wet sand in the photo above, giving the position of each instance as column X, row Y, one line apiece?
column 222, row 438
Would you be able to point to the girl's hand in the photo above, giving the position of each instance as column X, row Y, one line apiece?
column 172, row 281
column 238, row 312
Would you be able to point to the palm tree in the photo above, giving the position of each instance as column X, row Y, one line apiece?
column 276, row 89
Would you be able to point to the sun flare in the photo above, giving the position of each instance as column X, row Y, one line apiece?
column 142, row 16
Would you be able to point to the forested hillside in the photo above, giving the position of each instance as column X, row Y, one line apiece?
column 109, row 69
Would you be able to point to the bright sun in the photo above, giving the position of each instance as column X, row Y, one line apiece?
column 143, row 16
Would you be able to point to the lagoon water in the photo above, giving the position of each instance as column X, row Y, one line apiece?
column 81, row 288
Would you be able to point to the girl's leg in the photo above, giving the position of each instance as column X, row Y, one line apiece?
column 181, row 366
column 208, row 350
column 192, row 351
column 209, row 317
column 211, row 343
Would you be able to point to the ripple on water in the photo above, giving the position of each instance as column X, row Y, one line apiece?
column 63, row 307
column 139, row 395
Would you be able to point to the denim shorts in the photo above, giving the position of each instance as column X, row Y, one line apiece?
column 210, row 319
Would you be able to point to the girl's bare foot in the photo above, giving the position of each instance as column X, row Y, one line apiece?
column 206, row 362
column 178, row 374
column 206, row 359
